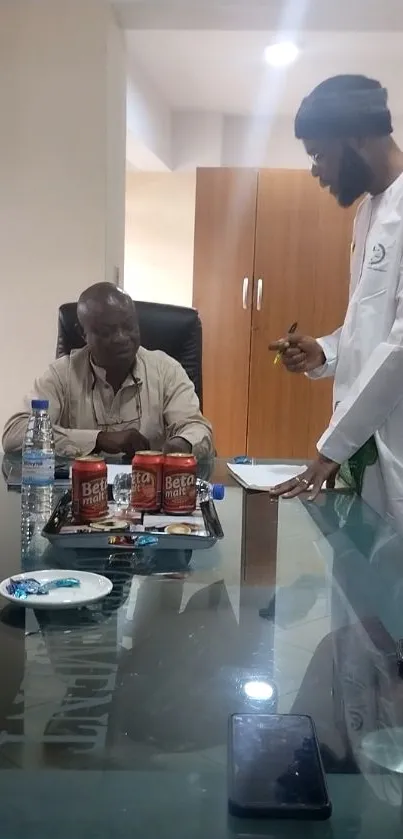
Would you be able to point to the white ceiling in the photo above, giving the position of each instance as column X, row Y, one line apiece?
column 342, row 15
column 223, row 71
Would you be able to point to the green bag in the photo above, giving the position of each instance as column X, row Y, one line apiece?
column 352, row 472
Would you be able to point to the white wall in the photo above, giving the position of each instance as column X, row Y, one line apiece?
column 196, row 139
column 62, row 169
column 148, row 122
column 160, row 211
column 262, row 143
column 115, row 152
column 206, row 139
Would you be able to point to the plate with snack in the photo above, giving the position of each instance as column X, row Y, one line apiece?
column 55, row 588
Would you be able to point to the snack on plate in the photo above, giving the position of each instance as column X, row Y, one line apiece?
column 28, row 586
column 179, row 529
column 109, row 524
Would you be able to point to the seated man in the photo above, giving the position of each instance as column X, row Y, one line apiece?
column 113, row 395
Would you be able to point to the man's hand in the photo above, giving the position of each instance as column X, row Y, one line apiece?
column 321, row 471
column 118, row 442
column 299, row 353
column 177, row 444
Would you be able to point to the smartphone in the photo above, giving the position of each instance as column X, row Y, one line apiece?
column 275, row 768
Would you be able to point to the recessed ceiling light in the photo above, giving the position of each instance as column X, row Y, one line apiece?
column 281, row 54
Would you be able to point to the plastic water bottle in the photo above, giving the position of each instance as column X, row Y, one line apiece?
column 38, row 472
column 38, row 453
column 207, row 491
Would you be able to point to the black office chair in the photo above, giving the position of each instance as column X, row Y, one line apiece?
column 176, row 330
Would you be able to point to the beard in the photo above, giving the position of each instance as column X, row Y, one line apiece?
column 355, row 177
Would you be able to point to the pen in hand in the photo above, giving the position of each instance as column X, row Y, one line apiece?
column 292, row 329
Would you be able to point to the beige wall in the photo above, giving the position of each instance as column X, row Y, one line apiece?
column 160, row 211
column 62, row 172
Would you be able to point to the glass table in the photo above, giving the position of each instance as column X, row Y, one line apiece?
column 114, row 717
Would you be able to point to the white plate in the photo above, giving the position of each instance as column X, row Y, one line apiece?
column 92, row 587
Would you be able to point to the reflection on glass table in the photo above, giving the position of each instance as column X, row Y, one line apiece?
column 131, row 696
column 121, row 489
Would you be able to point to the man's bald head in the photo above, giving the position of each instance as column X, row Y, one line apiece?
column 109, row 321
column 99, row 295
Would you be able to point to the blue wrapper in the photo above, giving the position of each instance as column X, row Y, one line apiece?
column 242, row 458
column 29, row 586
column 145, row 540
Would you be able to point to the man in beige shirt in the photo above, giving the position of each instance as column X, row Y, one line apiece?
column 113, row 395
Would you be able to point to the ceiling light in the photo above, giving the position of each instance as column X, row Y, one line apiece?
column 281, row 54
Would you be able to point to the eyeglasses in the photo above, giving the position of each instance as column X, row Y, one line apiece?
column 316, row 159
column 135, row 420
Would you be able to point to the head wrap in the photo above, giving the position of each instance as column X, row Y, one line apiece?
column 337, row 110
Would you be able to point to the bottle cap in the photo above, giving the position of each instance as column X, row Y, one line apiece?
column 218, row 492
column 40, row 404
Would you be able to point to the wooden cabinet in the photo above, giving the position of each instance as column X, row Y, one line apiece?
column 222, row 292
column 271, row 247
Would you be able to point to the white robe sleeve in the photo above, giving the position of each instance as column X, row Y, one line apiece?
column 330, row 347
column 377, row 391
column 330, row 343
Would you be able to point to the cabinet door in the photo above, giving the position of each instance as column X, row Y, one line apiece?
column 222, row 292
column 302, row 263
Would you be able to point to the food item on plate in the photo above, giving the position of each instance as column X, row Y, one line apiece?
column 180, row 529
column 89, row 488
column 109, row 524
column 179, row 484
column 26, row 587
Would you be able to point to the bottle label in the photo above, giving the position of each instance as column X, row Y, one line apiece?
column 38, row 468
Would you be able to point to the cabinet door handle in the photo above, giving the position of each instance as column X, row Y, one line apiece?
column 245, row 285
column 259, row 294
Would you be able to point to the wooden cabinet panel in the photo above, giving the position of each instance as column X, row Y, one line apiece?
column 302, row 257
column 223, row 257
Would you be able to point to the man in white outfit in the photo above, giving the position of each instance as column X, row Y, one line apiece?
column 346, row 128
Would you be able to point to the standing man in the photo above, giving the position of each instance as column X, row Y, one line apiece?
column 346, row 128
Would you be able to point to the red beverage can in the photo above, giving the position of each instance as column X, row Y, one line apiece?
column 89, row 488
column 179, row 484
column 147, row 481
